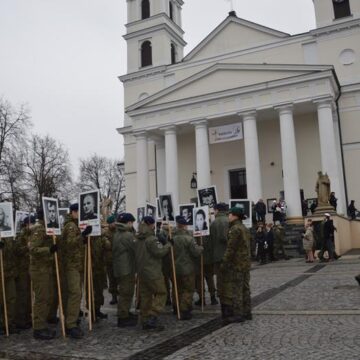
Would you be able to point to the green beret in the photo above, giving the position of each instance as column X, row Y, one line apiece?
column 237, row 211
column 110, row 219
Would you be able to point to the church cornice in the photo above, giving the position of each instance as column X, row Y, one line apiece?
column 334, row 28
column 151, row 71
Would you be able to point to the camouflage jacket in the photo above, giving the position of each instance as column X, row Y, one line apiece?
column 40, row 257
column 22, row 251
column 98, row 250
column 236, row 257
column 108, row 236
column 123, row 250
column 149, row 253
column 72, row 246
column 185, row 251
column 218, row 236
column 9, row 257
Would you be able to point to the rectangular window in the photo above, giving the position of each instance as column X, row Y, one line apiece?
column 341, row 8
column 238, row 188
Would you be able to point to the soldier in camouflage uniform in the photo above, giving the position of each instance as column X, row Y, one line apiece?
column 235, row 272
column 23, row 288
column 109, row 235
column 166, row 261
column 149, row 253
column 218, row 238
column 73, row 251
column 42, row 252
column 8, row 247
column 124, row 267
column 279, row 240
column 186, row 251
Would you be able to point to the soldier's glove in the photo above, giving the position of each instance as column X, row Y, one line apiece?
column 53, row 248
column 201, row 248
column 2, row 244
column 86, row 232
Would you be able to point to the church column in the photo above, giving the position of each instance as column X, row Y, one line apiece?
column 289, row 161
column 171, row 164
column 142, row 169
column 202, row 154
column 253, row 172
column 328, row 149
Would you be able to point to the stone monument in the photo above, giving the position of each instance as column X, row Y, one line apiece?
column 323, row 191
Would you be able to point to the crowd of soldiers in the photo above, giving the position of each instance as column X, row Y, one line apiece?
column 153, row 268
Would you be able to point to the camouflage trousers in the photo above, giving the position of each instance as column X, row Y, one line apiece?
column 209, row 277
column 126, row 285
column 10, row 291
column 235, row 291
column 72, row 296
column 185, row 284
column 23, row 299
column 113, row 290
column 153, row 297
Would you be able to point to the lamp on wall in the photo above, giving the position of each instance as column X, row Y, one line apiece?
column 193, row 181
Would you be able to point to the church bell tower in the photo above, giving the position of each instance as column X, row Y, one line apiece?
column 154, row 35
column 329, row 12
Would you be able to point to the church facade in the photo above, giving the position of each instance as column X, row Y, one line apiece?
column 252, row 110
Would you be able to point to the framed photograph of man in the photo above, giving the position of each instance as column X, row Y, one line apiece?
column 166, row 207
column 51, row 216
column 150, row 210
column 6, row 220
column 186, row 210
column 269, row 204
column 19, row 218
column 201, row 221
column 207, row 196
column 246, row 206
column 140, row 214
column 89, row 207
column 62, row 216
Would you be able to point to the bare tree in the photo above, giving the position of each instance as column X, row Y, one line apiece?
column 47, row 168
column 99, row 172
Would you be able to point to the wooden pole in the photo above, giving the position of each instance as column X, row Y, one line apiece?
column 137, row 291
column 92, row 294
column 61, row 308
column 85, row 281
column 202, row 276
column 32, row 302
column 89, row 282
column 3, row 291
column 175, row 288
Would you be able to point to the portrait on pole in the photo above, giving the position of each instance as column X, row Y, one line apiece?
column 207, row 196
column 51, row 216
column 89, row 208
column 19, row 217
column 6, row 220
column 166, row 207
column 245, row 205
column 150, row 210
column 201, row 221
column 186, row 210
column 62, row 216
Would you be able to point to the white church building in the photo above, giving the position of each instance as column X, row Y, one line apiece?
column 252, row 110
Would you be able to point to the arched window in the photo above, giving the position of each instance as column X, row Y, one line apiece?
column 146, row 54
column 171, row 13
column 173, row 53
column 341, row 8
column 145, row 9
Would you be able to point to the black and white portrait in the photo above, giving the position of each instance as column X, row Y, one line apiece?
column 51, row 216
column 6, row 220
column 150, row 210
column 140, row 214
column 166, row 207
column 62, row 216
column 186, row 210
column 19, row 217
column 89, row 208
column 201, row 221
column 207, row 196
column 245, row 205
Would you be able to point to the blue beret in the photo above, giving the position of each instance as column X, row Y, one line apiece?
column 125, row 218
column 149, row 220
column 180, row 220
column 221, row 207
column 74, row 207
column 110, row 219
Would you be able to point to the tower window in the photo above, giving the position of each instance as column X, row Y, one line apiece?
column 341, row 8
column 145, row 9
column 173, row 53
column 146, row 54
column 171, row 12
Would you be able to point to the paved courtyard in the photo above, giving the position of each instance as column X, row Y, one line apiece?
column 301, row 311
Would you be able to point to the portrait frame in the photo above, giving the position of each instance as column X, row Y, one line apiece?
column 207, row 196
column 151, row 210
column 93, row 217
column 19, row 218
column 140, row 214
column 7, row 221
column 204, row 211
column 52, row 226
column 190, row 207
column 170, row 217
column 310, row 201
column 62, row 215
column 246, row 205
column 158, row 213
column 269, row 203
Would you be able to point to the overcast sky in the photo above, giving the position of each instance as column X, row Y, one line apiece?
column 63, row 57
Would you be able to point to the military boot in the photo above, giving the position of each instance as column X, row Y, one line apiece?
column 113, row 300
column 100, row 315
column 185, row 315
column 44, row 334
column 229, row 317
column 213, row 300
column 127, row 322
column 153, row 325
column 75, row 333
column 198, row 303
